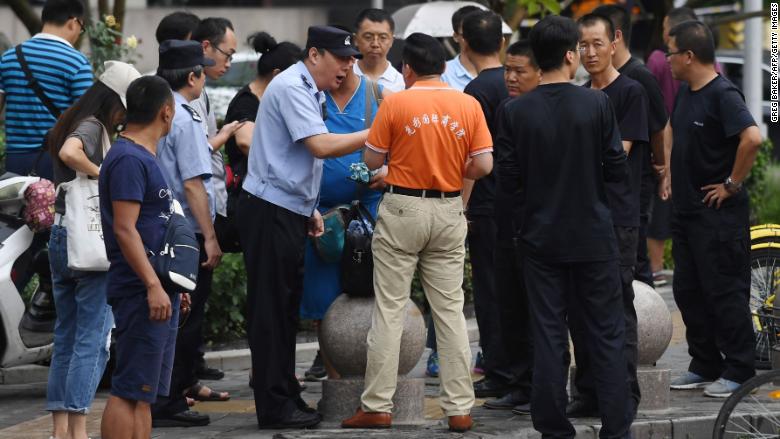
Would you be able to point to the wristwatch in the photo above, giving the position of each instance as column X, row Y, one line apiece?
column 731, row 186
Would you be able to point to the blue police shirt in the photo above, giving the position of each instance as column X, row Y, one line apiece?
column 184, row 154
column 281, row 170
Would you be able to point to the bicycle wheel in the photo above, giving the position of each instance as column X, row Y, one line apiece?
column 764, row 286
column 752, row 411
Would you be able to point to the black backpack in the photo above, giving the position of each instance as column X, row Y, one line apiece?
column 357, row 260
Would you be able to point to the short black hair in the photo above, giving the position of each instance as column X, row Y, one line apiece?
column 696, row 37
column 375, row 15
column 551, row 38
column 457, row 16
column 680, row 15
column 591, row 19
column 212, row 29
column 145, row 97
column 58, row 12
column 424, row 54
column 482, row 30
column 178, row 25
column 178, row 78
column 522, row 48
column 620, row 18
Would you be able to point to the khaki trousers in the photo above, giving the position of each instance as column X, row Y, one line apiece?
column 429, row 234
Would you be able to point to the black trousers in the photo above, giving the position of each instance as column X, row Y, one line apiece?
column 711, row 250
column 584, row 378
column 189, row 341
column 482, row 245
column 592, row 291
column 514, row 318
column 273, row 239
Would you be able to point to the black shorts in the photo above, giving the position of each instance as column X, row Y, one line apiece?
column 144, row 349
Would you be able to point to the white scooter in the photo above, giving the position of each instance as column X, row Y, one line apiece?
column 26, row 331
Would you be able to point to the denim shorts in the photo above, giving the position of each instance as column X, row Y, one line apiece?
column 144, row 349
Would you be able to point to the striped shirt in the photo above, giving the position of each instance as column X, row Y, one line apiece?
column 63, row 72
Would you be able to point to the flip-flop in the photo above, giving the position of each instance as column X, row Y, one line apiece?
column 194, row 393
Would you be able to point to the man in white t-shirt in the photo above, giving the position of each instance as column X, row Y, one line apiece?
column 374, row 36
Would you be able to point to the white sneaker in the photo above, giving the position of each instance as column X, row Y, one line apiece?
column 722, row 388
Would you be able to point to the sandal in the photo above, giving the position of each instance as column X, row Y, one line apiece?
column 194, row 393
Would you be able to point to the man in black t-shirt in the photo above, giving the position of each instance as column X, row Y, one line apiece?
column 521, row 75
column 564, row 145
column 482, row 40
column 597, row 42
column 655, row 174
column 715, row 143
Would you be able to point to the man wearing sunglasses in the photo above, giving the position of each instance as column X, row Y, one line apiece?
column 33, row 107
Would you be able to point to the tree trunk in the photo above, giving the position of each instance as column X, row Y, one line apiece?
column 26, row 15
column 102, row 9
column 119, row 13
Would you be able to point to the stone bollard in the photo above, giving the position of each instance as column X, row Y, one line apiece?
column 654, row 332
column 343, row 335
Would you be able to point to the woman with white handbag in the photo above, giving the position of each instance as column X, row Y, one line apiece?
column 78, row 143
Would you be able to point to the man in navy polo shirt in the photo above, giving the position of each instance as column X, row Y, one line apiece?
column 277, row 207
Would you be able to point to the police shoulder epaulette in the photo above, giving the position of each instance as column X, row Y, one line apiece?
column 193, row 113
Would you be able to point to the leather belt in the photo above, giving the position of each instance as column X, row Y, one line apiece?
column 423, row 193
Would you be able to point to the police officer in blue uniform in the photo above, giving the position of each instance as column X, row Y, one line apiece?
column 185, row 157
column 278, row 206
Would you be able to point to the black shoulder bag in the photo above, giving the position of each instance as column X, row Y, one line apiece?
column 41, row 94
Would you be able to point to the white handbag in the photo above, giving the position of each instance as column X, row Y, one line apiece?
column 86, row 249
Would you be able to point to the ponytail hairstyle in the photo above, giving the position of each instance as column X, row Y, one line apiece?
column 273, row 56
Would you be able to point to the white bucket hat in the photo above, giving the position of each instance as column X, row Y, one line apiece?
column 117, row 76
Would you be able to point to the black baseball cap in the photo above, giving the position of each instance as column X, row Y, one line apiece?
column 332, row 39
column 180, row 54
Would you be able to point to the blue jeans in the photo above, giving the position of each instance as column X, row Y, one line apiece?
column 81, row 334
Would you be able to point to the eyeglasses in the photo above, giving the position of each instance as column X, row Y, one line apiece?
column 81, row 24
column 228, row 56
column 369, row 37
column 668, row 54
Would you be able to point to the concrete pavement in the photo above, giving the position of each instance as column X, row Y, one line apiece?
column 691, row 415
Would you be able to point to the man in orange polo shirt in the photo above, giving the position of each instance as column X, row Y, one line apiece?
column 433, row 137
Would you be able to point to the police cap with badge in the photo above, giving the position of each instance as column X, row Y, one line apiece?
column 332, row 39
column 181, row 54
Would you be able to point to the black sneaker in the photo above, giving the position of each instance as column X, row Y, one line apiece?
column 187, row 418
column 317, row 370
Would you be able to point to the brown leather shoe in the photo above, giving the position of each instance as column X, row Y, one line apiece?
column 367, row 420
column 460, row 423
